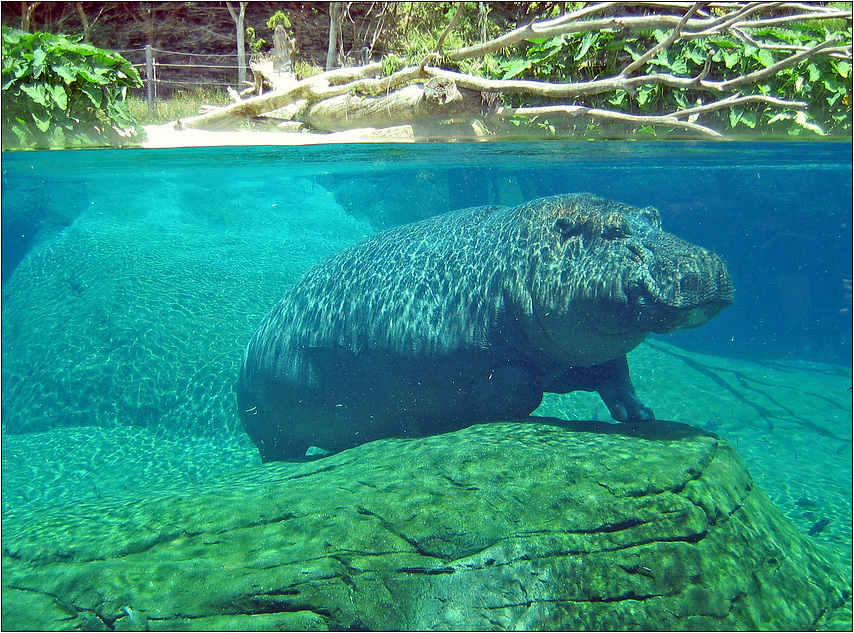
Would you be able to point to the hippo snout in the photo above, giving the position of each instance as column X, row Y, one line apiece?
column 686, row 285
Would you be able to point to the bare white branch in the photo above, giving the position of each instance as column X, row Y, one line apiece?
column 774, row 68
column 735, row 100
column 693, row 28
column 612, row 115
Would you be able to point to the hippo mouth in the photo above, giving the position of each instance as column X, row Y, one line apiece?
column 661, row 318
column 642, row 312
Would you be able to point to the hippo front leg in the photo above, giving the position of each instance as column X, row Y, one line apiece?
column 611, row 380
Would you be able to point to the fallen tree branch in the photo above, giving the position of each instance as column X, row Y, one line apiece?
column 438, row 99
column 434, row 54
column 611, row 115
column 323, row 85
column 726, row 21
column 671, row 119
column 839, row 52
column 734, row 100
column 773, row 69
column 693, row 28
column 360, row 97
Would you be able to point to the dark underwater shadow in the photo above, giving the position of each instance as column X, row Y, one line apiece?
column 662, row 430
column 656, row 430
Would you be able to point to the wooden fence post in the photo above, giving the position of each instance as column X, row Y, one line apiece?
column 150, row 92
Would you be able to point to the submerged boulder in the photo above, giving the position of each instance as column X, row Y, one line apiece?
column 534, row 525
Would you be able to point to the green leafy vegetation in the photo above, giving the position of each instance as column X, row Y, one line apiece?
column 420, row 24
column 823, row 82
column 702, row 70
column 257, row 44
column 60, row 92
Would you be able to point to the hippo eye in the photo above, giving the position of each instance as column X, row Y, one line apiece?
column 568, row 228
column 615, row 232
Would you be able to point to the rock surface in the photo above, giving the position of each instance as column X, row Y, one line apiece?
column 541, row 525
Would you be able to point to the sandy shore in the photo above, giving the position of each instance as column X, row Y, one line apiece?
column 160, row 136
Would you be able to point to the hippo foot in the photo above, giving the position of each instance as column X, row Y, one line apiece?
column 611, row 380
column 626, row 406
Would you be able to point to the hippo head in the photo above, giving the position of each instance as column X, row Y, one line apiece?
column 608, row 275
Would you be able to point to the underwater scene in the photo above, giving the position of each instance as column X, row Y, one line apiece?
column 150, row 479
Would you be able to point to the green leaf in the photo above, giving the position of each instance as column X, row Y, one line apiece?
column 589, row 38
column 696, row 55
column 38, row 62
column 93, row 76
column 94, row 93
column 765, row 58
column 65, row 71
column 677, row 64
column 806, row 122
column 731, row 58
column 635, row 56
column 843, row 68
column 57, row 92
column 735, row 116
column 57, row 138
column 618, row 98
column 832, row 99
column 643, row 94
column 515, row 68
column 21, row 132
column 721, row 41
column 814, row 72
column 42, row 121
column 36, row 92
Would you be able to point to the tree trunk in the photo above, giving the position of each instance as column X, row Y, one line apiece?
column 336, row 17
column 438, row 99
column 313, row 87
column 241, row 40
column 27, row 9
column 85, row 21
column 283, row 50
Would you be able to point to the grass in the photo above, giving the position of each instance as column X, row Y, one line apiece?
column 181, row 104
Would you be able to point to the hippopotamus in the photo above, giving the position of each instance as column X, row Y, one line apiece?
column 468, row 317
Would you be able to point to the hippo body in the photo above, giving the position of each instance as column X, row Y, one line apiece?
column 468, row 317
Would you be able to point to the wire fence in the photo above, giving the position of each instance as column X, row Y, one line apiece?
column 166, row 72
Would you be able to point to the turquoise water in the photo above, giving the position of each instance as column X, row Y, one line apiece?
column 133, row 280
column 779, row 214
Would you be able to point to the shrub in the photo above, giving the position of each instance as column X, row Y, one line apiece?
column 823, row 82
column 59, row 92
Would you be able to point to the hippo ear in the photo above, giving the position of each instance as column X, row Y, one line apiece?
column 567, row 228
column 652, row 216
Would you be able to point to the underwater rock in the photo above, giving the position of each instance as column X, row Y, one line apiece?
column 535, row 525
column 138, row 312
